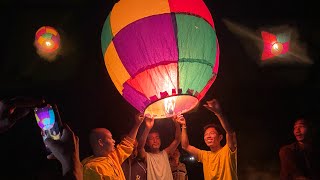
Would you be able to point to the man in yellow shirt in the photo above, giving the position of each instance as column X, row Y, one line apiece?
column 106, row 160
column 220, row 163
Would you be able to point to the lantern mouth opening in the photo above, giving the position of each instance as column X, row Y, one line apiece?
column 171, row 105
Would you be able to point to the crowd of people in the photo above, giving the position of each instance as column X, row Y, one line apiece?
column 141, row 158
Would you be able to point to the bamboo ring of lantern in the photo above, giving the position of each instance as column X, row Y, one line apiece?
column 161, row 55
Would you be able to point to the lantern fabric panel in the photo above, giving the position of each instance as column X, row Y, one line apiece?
column 206, row 88
column 147, row 43
column 193, row 7
column 193, row 76
column 136, row 10
column 197, row 52
column 153, row 82
column 114, row 65
column 285, row 47
column 216, row 65
column 196, row 39
column 135, row 98
column 106, row 35
column 283, row 37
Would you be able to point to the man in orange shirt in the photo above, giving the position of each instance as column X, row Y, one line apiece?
column 221, row 161
column 106, row 160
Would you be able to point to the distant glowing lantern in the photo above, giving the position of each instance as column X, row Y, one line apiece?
column 45, row 117
column 274, row 45
column 47, row 39
column 162, row 55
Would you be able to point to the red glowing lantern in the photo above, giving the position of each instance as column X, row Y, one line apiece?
column 274, row 45
column 47, row 39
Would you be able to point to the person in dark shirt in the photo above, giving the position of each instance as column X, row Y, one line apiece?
column 298, row 159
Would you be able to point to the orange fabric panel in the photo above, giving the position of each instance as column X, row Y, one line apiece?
column 135, row 10
column 118, row 73
column 155, row 80
column 41, row 39
column 51, row 31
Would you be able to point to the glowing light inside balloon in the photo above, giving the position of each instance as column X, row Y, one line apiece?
column 47, row 39
column 45, row 117
column 169, row 105
column 162, row 55
column 274, row 45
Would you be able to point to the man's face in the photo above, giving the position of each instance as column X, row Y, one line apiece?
column 212, row 137
column 154, row 141
column 300, row 130
column 108, row 141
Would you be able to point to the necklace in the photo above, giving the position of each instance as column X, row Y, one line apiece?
column 145, row 171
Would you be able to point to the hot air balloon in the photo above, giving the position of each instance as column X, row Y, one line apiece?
column 162, row 55
column 274, row 45
column 47, row 39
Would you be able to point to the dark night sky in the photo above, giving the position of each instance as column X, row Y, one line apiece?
column 259, row 101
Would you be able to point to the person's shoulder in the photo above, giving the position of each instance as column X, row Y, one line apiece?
column 93, row 161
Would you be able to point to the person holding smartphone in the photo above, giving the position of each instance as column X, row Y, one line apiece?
column 65, row 149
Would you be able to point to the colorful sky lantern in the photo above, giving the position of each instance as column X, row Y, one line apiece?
column 274, row 45
column 162, row 56
column 47, row 39
column 45, row 117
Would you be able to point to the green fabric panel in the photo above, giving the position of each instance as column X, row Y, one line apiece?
column 106, row 35
column 47, row 36
column 197, row 52
column 196, row 39
column 283, row 37
column 193, row 75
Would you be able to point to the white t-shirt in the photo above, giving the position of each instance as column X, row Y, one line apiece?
column 158, row 166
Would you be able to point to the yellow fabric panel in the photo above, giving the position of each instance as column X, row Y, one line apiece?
column 220, row 165
column 115, row 68
column 127, row 11
column 52, row 31
column 41, row 39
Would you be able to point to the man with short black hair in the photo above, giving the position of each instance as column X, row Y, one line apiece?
column 298, row 160
column 221, row 161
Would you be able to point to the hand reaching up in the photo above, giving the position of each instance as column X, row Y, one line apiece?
column 213, row 105
column 180, row 119
column 149, row 120
column 66, row 150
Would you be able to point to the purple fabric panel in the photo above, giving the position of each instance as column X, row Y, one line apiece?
column 135, row 98
column 146, row 42
column 55, row 39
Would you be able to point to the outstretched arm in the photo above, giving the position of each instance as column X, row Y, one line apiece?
column 142, row 141
column 214, row 107
column 138, row 120
column 66, row 150
column 14, row 109
column 184, row 138
column 177, row 138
